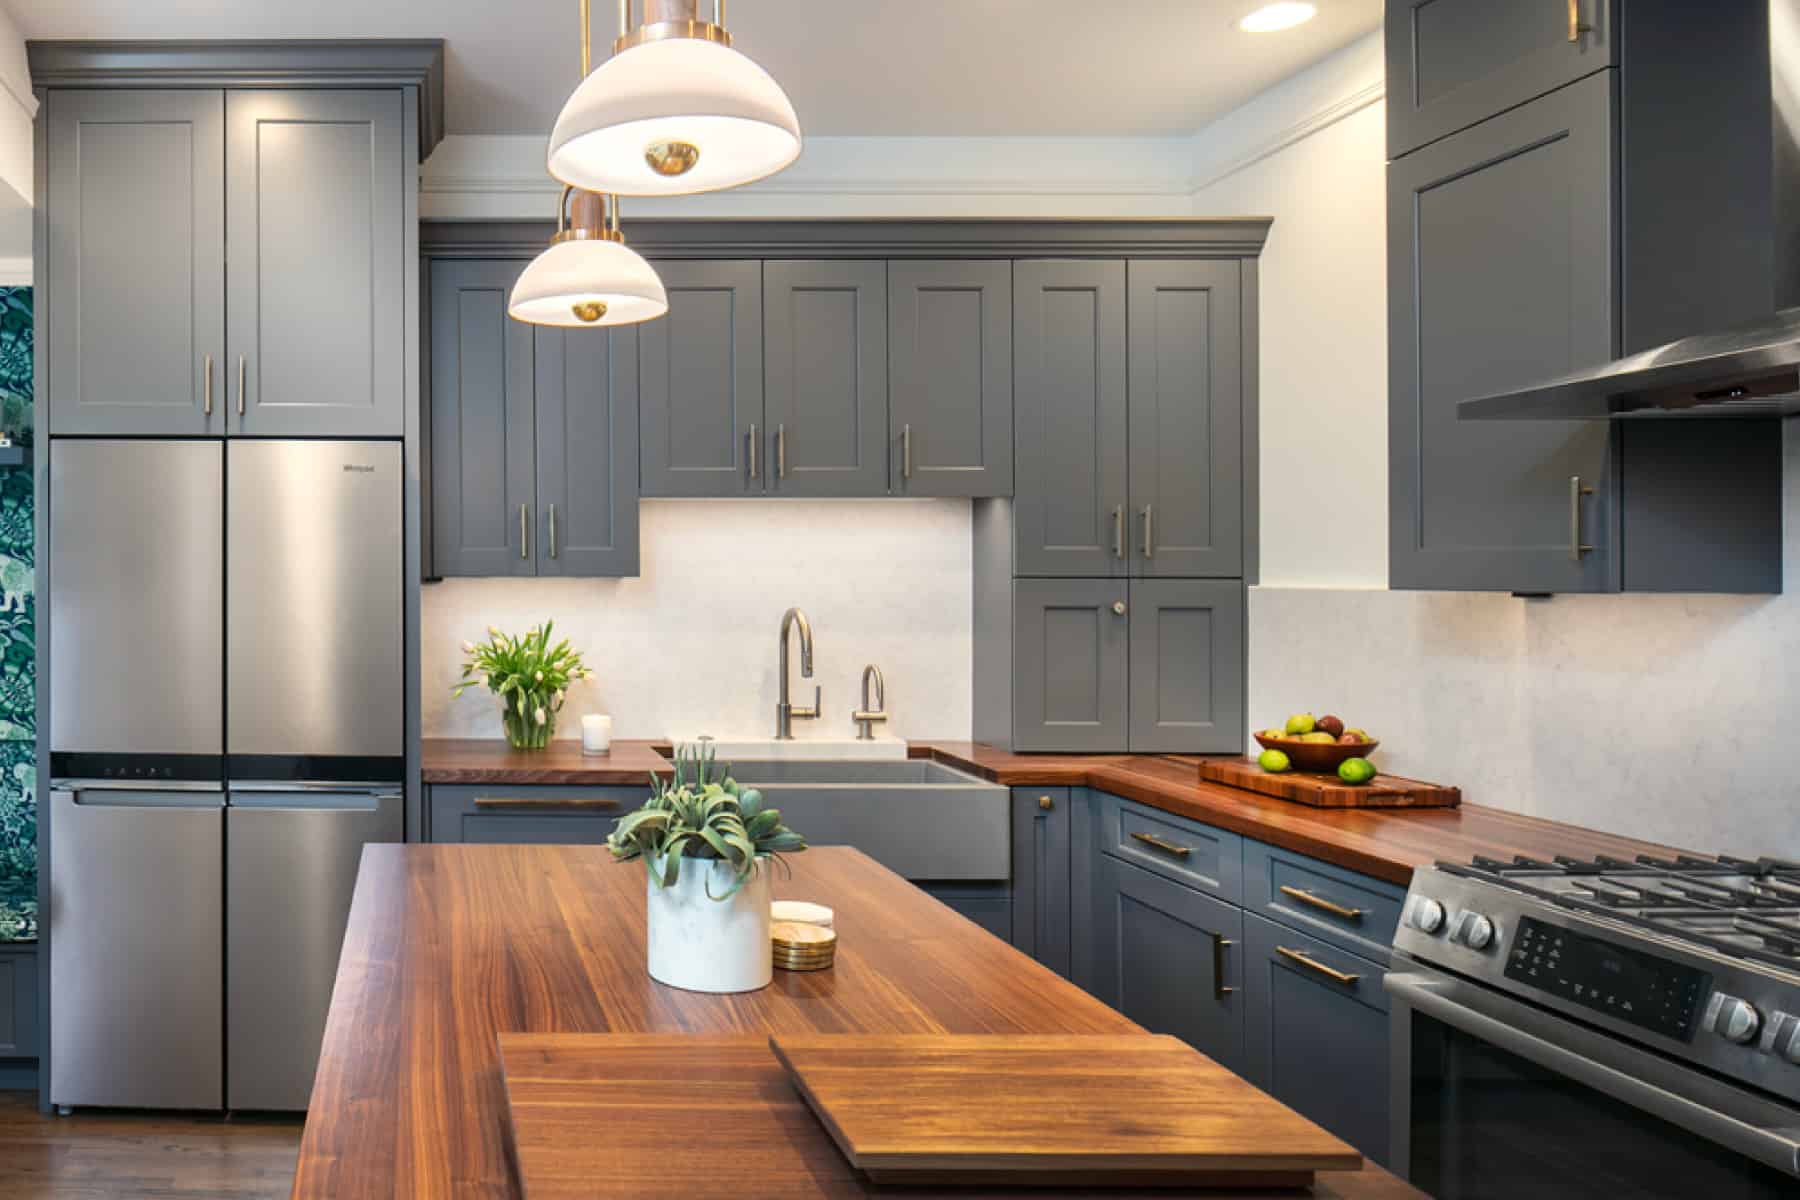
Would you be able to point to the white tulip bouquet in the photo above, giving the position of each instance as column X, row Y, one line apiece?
column 529, row 675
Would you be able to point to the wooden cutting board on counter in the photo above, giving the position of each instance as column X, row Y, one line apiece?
column 1060, row 1111
column 1327, row 791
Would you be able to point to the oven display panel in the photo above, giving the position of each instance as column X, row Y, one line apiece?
column 1660, row 996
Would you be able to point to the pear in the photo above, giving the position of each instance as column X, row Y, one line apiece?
column 1300, row 723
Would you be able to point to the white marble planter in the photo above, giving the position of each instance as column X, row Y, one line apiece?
column 704, row 945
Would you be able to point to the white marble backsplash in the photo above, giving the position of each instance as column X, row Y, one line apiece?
column 690, row 644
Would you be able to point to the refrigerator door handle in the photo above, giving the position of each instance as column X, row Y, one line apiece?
column 129, row 785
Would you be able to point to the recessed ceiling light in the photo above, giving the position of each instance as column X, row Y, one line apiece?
column 1272, row 18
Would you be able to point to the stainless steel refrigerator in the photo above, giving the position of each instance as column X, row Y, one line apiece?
column 227, row 732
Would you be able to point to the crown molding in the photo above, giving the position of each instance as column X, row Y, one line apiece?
column 1314, row 122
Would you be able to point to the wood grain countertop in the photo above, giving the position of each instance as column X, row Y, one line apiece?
column 448, row 946
column 1384, row 843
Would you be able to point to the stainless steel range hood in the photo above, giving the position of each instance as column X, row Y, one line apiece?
column 1750, row 371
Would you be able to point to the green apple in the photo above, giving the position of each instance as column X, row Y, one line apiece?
column 1272, row 761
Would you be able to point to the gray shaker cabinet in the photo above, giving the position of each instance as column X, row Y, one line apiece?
column 1071, row 494
column 1501, row 257
column 135, row 262
column 825, row 378
column 701, row 381
column 1041, row 821
column 1453, row 63
column 316, row 282
column 1186, row 418
column 587, row 444
column 1187, row 646
column 1070, row 683
column 950, row 372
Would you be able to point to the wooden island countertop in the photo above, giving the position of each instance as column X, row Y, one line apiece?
column 449, row 946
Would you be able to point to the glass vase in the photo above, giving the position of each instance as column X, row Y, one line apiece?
column 523, row 730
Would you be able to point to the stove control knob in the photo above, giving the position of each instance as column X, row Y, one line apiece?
column 1427, row 915
column 1781, row 1037
column 1733, row 1019
column 1477, row 931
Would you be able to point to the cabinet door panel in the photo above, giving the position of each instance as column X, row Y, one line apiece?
column 587, row 445
column 1501, row 253
column 1187, row 419
column 483, row 471
column 1453, row 63
column 1187, row 666
column 701, row 380
column 134, row 261
column 317, row 277
column 1315, row 1040
column 1171, row 959
column 1070, row 490
column 950, row 406
column 1040, row 868
column 1069, row 665
column 826, row 404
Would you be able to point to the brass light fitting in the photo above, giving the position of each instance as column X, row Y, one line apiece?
column 672, row 158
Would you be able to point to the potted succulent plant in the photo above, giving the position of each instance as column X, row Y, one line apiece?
column 529, row 675
column 708, row 846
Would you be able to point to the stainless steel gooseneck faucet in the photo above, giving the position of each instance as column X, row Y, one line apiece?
column 785, row 713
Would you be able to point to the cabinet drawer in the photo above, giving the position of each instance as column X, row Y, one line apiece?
column 18, row 1003
column 532, row 813
column 1182, row 850
column 988, row 905
column 1342, row 907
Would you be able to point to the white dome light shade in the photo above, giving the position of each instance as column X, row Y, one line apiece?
column 593, row 278
column 672, row 91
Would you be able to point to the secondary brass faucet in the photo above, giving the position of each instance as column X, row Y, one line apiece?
column 871, row 711
column 786, row 713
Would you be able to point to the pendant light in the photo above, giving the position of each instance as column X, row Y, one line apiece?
column 588, row 277
column 675, row 111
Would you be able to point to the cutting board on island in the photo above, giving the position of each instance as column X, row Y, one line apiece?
column 1327, row 791
column 1137, row 1110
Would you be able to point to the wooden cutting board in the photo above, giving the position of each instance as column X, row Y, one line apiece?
column 1065, row 1111
column 1328, row 791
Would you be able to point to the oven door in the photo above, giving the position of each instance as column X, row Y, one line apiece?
column 1494, row 1099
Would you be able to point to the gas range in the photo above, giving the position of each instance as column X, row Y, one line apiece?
column 1696, row 958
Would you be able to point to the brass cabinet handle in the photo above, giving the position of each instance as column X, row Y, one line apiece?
column 1150, row 839
column 240, row 385
column 1576, row 492
column 753, row 471
column 553, row 531
column 524, row 529
column 1046, row 803
column 541, row 802
column 1577, row 26
column 1319, row 902
column 1313, row 964
column 906, row 452
column 1118, row 531
column 781, row 451
column 1149, row 531
column 1220, row 991
column 206, row 407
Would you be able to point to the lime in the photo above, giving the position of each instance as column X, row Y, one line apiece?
column 1272, row 761
column 1300, row 723
column 1356, row 770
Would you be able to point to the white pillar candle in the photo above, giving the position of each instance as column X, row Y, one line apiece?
column 596, row 733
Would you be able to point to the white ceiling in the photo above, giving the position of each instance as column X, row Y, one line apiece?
column 929, row 68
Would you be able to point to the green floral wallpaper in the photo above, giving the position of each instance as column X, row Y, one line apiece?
column 18, row 700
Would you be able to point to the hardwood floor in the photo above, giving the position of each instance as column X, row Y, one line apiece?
column 111, row 1156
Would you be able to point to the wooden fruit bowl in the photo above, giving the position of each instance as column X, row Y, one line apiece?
column 1323, row 757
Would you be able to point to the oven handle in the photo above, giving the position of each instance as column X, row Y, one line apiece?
column 1773, row 1147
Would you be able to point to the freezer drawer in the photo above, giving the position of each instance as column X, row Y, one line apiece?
column 314, row 562
column 136, row 964
column 136, row 633
column 293, row 858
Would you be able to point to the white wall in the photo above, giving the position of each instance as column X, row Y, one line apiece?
column 690, row 645
column 1665, row 717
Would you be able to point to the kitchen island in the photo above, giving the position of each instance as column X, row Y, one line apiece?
column 449, row 946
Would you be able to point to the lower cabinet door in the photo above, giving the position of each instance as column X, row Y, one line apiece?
column 1187, row 666
column 1040, row 868
column 1070, row 683
column 1316, row 1032
column 989, row 905
column 1171, row 959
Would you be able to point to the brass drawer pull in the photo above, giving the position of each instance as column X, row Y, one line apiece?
column 1577, row 26
column 906, row 452
column 1313, row 964
column 753, row 469
column 1167, row 847
column 1319, row 902
column 545, row 802
column 1220, row 991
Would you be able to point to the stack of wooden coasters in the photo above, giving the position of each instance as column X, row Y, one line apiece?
column 802, row 947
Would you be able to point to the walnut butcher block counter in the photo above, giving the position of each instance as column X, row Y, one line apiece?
column 450, row 946
column 1384, row 843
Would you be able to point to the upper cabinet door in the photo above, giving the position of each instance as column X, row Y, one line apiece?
column 587, row 445
column 1187, row 419
column 1187, row 666
column 1453, row 63
column 825, row 338
column 701, row 375
column 1070, row 689
column 483, row 472
column 1070, row 496
column 950, row 411
column 1501, row 254
column 317, row 216
column 135, row 262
